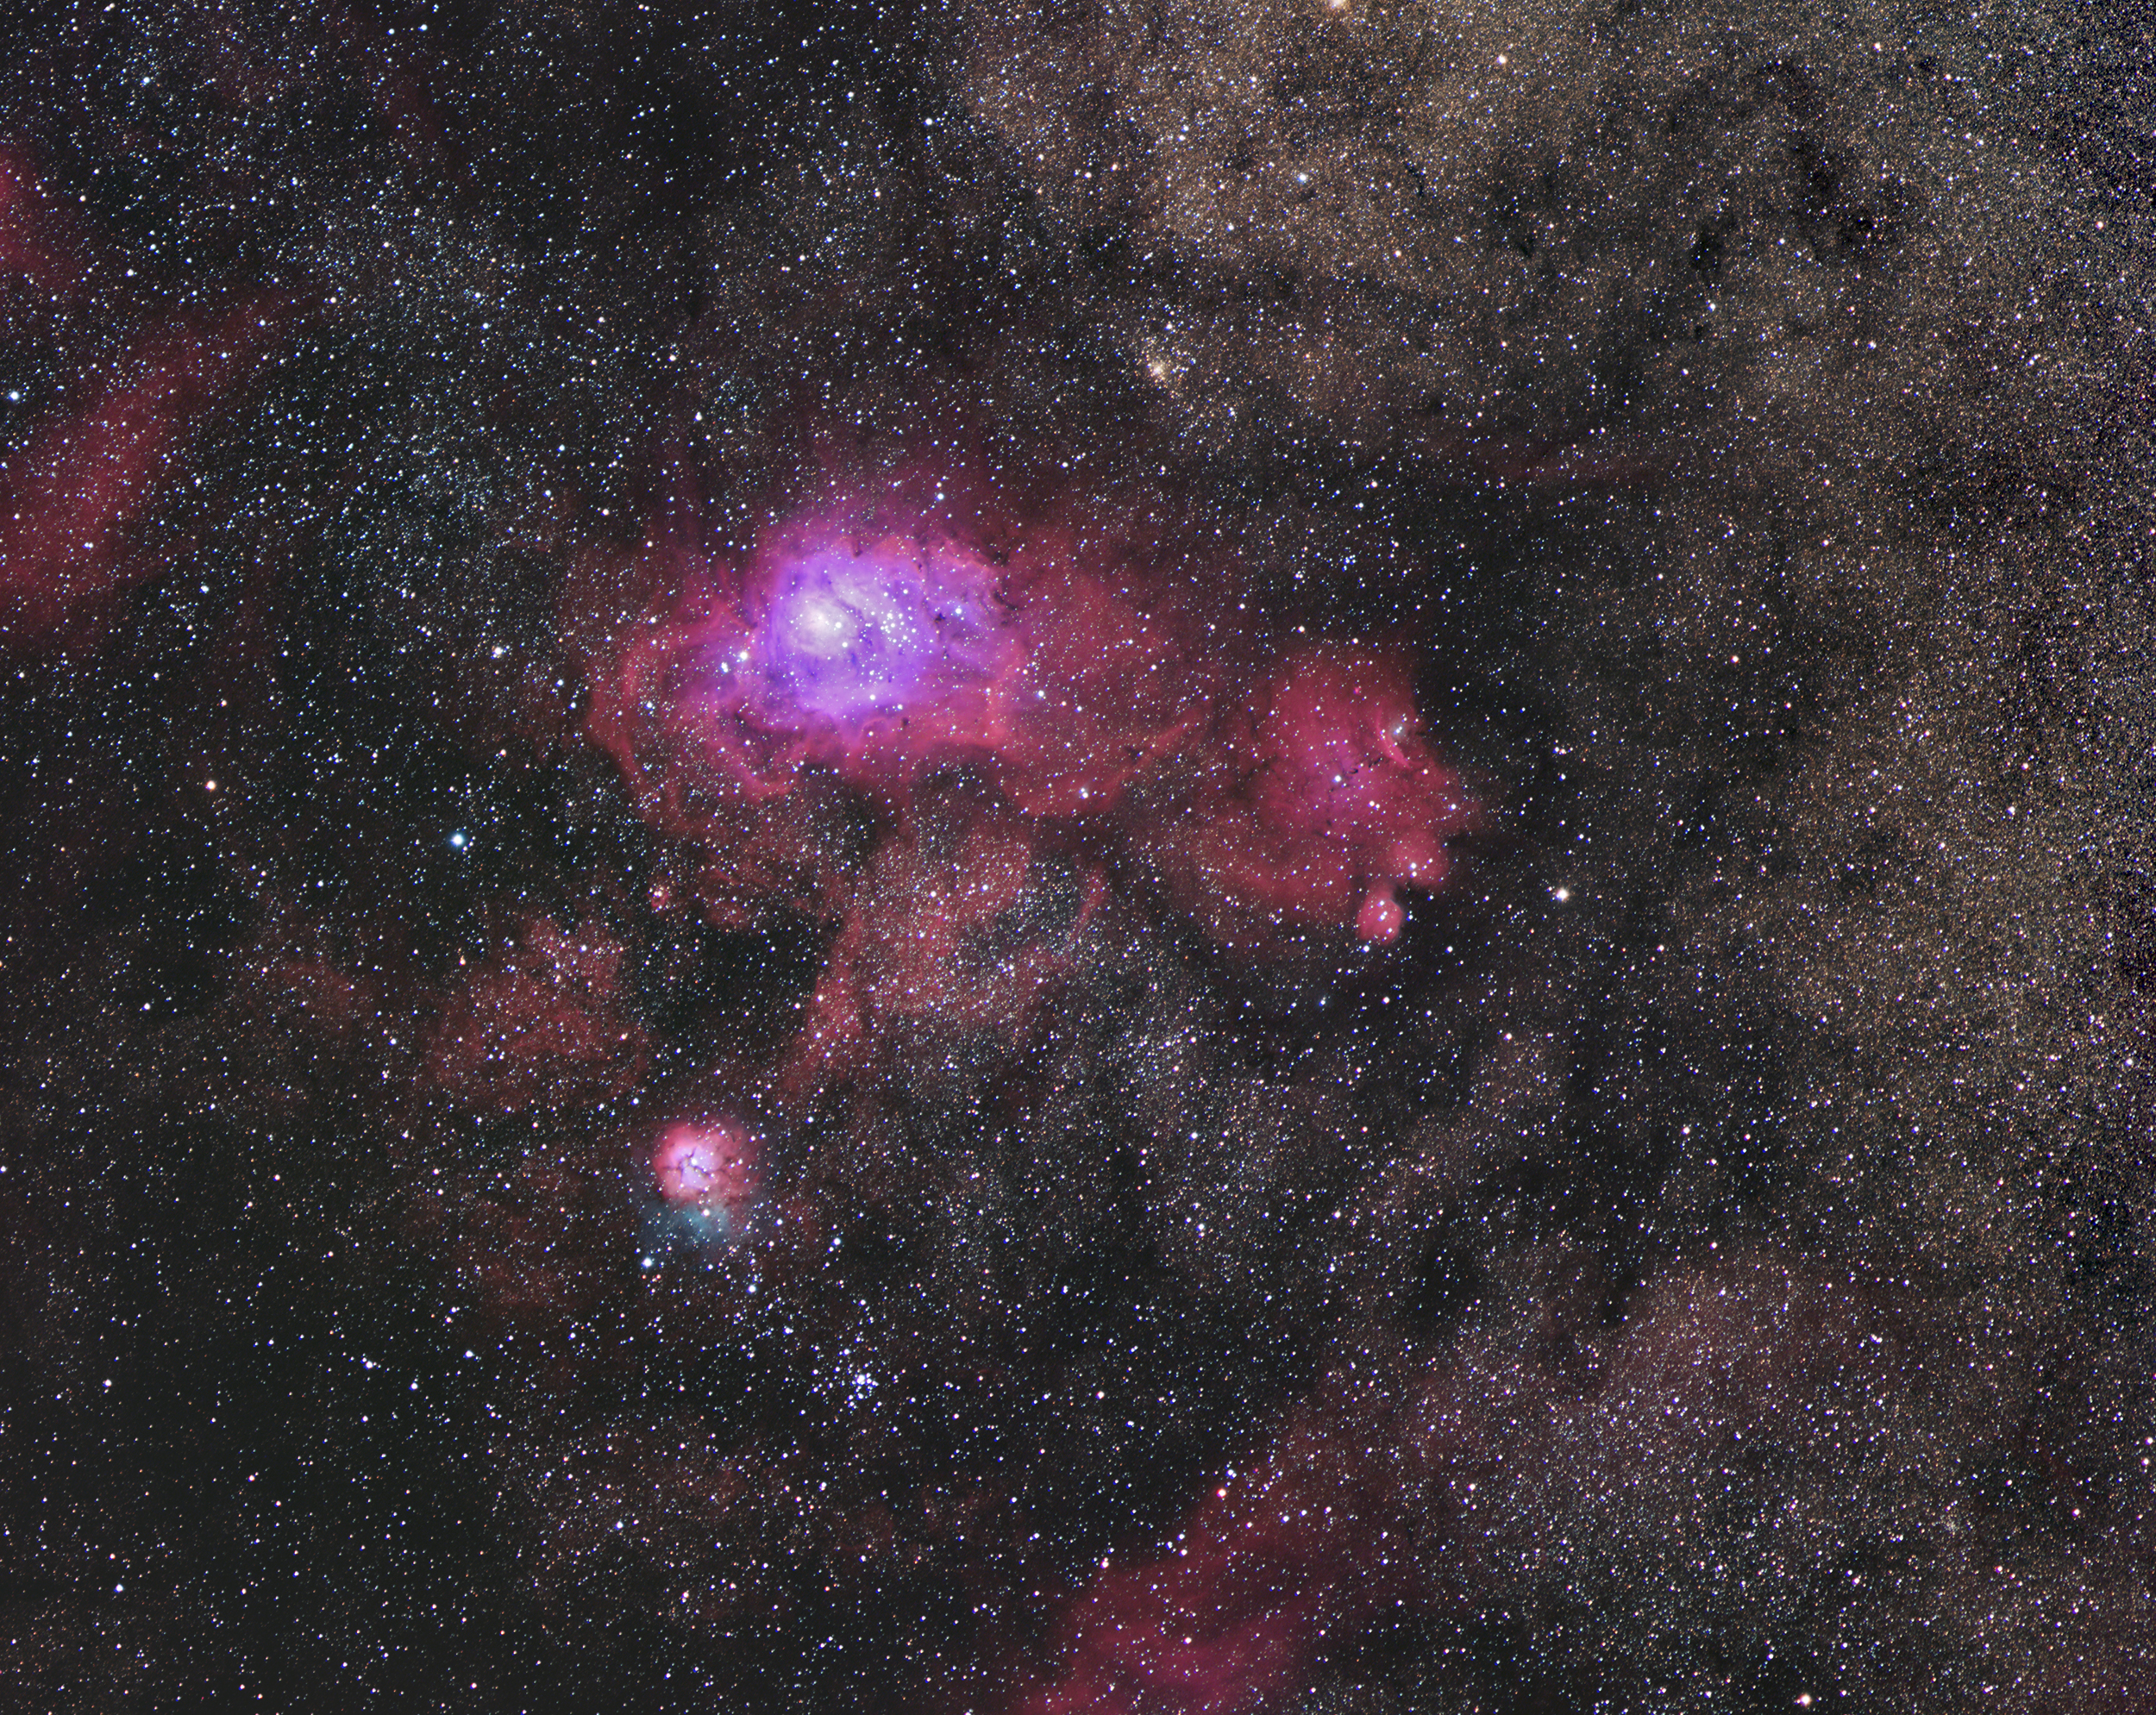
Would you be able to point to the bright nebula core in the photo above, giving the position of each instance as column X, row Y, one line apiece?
column 708, row 1165
column 849, row 631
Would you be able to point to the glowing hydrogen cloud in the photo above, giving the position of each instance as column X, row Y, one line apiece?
column 707, row 1175
column 1267, row 783
column 850, row 633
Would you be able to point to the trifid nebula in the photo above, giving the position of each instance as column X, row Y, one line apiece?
column 1226, row 857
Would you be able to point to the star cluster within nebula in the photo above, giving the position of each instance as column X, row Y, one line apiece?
column 1264, row 857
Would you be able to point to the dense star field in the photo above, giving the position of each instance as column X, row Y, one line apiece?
column 1078, row 859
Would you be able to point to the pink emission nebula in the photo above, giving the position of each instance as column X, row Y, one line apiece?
column 1098, row 703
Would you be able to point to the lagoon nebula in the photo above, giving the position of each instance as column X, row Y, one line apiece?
column 1279, row 855
column 1103, row 698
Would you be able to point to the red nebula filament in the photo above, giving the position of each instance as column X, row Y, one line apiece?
column 72, row 498
column 708, row 1164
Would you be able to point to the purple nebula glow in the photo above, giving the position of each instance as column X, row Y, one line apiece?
column 847, row 633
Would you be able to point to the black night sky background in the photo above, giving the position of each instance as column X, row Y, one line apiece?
column 1091, row 857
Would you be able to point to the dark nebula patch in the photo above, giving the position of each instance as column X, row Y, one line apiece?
column 1050, row 859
